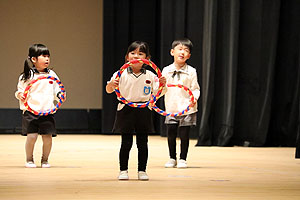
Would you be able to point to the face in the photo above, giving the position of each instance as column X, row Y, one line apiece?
column 136, row 54
column 41, row 62
column 181, row 54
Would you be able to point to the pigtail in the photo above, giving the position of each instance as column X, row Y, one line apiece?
column 27, row 69
column 34, row 51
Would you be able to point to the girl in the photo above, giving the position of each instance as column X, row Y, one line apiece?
column 135, row 84
column 179, row 72
column 41, row 97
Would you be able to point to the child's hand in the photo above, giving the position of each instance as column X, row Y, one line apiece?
column 114, row 83
column 21, row 96
column 162, row 81
column 59, row 95
column 111, row 85
column 193, row 103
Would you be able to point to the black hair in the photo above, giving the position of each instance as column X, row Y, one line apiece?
column 185, row 42
column 143, row 46
column 34, row 51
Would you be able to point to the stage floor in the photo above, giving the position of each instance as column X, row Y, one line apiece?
column 86, row 167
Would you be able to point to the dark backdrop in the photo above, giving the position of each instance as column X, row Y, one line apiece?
column 246, row 53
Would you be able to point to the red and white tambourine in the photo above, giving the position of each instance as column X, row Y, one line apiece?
column 155, row 97
column 49, row 111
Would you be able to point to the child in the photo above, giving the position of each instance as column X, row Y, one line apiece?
column 135, row 84
column 177, row 100
column 41, row 97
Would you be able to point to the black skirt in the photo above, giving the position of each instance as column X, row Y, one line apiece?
column 133, row 120
column 43, row 125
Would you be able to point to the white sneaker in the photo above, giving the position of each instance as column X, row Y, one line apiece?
column 45, row 165
column 123, row 175
column 143, row 176
column 182, row 164
column 30, row 164
column 171, row 163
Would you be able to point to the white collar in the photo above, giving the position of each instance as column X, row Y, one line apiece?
column 183, row 69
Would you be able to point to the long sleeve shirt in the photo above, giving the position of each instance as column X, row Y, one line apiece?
column 137, row 88
column 42, row 93
column 177, row 99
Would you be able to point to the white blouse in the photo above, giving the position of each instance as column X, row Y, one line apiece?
column 177, row 99
column 42, row 93
column 137, row 87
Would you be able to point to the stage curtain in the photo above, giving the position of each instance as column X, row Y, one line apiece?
column 246, row 53
column 125, row 22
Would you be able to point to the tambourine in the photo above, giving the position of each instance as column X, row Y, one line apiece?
column 164, row 113
column 155, row 97
column 49, row 111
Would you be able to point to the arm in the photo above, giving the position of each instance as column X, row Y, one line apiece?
column 195, row 88
column 110, row 86
column 163, row 81
column 156, row 83
column 20, row 90
column 57, row 90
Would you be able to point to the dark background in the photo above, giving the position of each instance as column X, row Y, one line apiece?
column 246, row 53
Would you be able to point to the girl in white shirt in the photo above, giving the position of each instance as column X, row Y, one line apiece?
column 41, row 97
column 135, row 84
column 176, row 100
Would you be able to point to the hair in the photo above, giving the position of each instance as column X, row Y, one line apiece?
column 34, row 51
column 185, row 42
column 143, row 46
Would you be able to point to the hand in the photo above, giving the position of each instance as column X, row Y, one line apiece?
column 113, row 83
column 21, row 96
column 193, row 103
column 162, row 80
column 59, row 95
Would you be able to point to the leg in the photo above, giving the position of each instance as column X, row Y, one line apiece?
column 142, row 145
column 172, row 134
column 47, row 145
column 184, row 138
column 29, row 146
column 297, row 154
column 126, row 145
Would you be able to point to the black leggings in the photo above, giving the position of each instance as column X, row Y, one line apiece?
column 183, row 132
column 142, row 145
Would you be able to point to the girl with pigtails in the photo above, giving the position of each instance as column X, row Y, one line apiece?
column 41, row 97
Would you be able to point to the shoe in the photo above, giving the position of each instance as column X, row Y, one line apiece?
column 30, row 164
column 171, row 163
column 45, row 165
column 143, row 176
column 182, row 164
column 123, row 175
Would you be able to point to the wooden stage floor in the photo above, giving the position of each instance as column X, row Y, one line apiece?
column 86, row 167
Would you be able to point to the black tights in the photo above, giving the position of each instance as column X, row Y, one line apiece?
column 183, row 132
column 142, row 145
